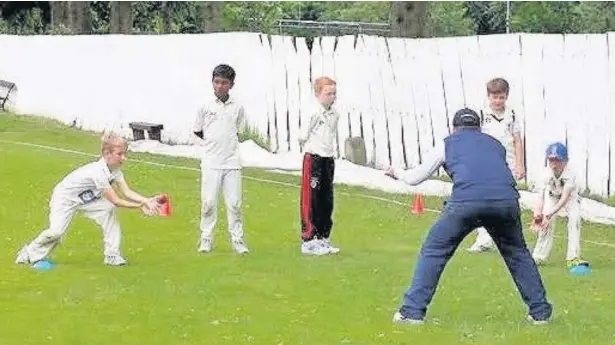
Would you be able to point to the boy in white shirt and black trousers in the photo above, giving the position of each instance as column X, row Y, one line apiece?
column 319, row 140
column 217, row 127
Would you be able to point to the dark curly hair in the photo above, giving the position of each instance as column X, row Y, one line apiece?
column 224, row 71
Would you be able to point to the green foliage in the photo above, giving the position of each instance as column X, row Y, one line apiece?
column 258, row 15
column 450, row 19
column 100, row 13
column 361, row 11
column 252, row 133
column 489, row 16
column 544, row 17
column 595, row 16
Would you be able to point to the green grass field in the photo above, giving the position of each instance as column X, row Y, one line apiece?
column 169, row 294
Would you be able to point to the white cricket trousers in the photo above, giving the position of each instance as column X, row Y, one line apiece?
column 572, row 210
column 60, row 216
column 212, row 180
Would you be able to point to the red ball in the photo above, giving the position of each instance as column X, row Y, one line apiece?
column 163, row 199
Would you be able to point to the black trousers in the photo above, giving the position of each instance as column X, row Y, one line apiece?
column 316, row 196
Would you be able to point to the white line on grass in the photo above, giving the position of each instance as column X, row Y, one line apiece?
column 181, row 167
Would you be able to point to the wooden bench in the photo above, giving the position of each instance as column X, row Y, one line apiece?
column 139, row 128
column 6, row 87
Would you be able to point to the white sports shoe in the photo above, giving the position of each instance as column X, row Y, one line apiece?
column 115, row 260
column 402, row 320
column 205, row 245
column 537, row 322
column 22, row 257
column 478, row 248
column 325, row 243
column 240, row 247
column 314, row 247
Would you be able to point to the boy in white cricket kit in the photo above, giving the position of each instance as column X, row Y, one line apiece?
column 217, row 126
column 318, row 136
column 501, row 122
column 557, row 194
column 89, row 189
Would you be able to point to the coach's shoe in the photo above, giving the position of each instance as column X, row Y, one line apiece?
column 399, row 318
column 325, row 243
column 114, row 260
column 240, row 247
column 314, row 247
column 537, row 322
column 205, row 245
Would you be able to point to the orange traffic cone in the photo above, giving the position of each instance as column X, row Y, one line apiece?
column 418, row 207
column 165, row 209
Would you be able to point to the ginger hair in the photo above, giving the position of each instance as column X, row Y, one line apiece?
column 321, row 82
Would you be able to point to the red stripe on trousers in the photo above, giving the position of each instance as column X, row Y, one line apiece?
column 306, row 196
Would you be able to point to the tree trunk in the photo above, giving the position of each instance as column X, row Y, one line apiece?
column 166, row 17
column 408, row 18
column 72, row 15
column 211, row 16
column 60, row 14
column 81, row 20
column 121, row 17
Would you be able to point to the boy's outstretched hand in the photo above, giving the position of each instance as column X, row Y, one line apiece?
column 148, row 209
column 391, row 173
column 153, row 205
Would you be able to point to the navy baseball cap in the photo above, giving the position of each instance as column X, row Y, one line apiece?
column 466, row 117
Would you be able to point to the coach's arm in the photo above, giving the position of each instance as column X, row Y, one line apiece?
column 413, row 177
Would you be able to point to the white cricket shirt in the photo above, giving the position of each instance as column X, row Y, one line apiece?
column 554, row 186
column 502, row 127
column 319, row 131
column 86, row 184
column 220, row 123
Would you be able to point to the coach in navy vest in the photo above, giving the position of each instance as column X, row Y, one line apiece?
column 484, row 194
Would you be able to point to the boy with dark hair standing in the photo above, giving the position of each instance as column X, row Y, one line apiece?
column 319, row 138
column 217, row 126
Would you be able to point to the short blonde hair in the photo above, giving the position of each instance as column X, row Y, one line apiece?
column 321, row 82
column 110, row 141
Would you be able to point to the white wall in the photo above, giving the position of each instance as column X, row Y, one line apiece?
column 399, row 94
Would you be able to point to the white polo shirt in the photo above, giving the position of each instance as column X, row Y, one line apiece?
column 220, row 123
column 319, row 131
column 502, row 127
column 86, row 184
column 554, row 186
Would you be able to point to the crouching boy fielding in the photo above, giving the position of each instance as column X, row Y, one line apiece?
column 557, row 194
column 89, row 189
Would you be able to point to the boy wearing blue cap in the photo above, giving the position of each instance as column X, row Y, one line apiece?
column 558, row 194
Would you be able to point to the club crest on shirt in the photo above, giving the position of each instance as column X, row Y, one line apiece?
column 314, row 182
column 87, row 196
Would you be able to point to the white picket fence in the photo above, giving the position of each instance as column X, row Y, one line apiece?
column 398, row 94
